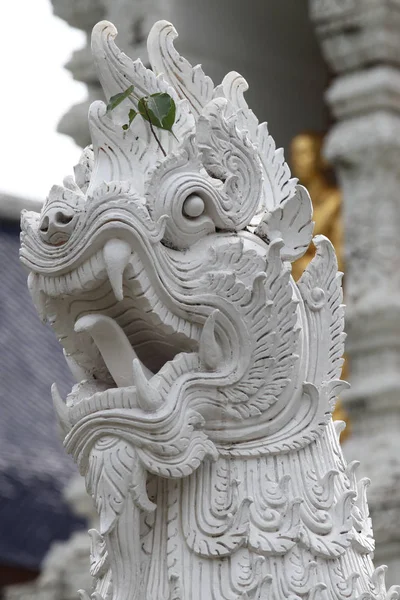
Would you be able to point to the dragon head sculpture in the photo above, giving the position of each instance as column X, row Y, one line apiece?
column 154, row 271
column 164, row 269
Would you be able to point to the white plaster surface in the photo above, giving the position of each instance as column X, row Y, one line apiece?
column 361, row 42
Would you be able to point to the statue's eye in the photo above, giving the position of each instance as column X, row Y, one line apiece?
column 193, row 206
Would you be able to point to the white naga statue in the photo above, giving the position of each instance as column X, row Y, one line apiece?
column 207, row 377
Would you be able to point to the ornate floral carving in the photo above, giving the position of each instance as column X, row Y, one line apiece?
column 201, row 419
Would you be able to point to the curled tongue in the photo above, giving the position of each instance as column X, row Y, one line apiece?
column 114, row 347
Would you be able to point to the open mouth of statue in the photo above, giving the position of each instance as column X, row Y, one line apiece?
column 129, row 351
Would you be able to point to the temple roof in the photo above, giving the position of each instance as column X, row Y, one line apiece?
column 34, row 467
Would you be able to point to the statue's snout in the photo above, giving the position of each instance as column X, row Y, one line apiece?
column 59, row 216
column 56, row 225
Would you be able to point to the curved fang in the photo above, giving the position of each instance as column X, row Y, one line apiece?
column 148, row 398
column 114, row 347
column 209, row 350
column 61, row 409
column 78, row 373
column 116, row 254
column 38, row 296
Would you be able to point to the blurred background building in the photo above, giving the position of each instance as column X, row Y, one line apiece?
column 294, row 55
column 34, row 468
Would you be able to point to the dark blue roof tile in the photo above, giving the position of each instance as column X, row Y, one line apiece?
column 34, row 467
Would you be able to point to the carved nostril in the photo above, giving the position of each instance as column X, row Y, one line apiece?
column 62, row 218
column 56, row 226
column 59, row 216
column 44, row 226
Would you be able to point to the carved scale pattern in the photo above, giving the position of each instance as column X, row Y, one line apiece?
column 206, row 378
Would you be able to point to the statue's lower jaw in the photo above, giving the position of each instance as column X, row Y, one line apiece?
column 114, row 347
column 144, row 394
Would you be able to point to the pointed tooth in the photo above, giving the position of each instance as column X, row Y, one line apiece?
column 209, row 350
column 38, row 296
column 148, row 397
column 61, row 409
column 116, row 254
column 78, row 373
column 95, row 537
column 339, row 427
column 98, row 553
column 41, row 306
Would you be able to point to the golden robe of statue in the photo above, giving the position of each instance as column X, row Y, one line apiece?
column 309, row 166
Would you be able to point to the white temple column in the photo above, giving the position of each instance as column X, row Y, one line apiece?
column 361, row 42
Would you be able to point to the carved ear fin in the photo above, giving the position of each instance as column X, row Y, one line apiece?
column 116, row 71
column 239, row 169
column 190, row 82
column 320, row 287
column 278, row 185
column 127, row 154
column 232, row 88
column 292, row 222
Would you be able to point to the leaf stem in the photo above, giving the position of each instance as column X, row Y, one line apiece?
column 174, row 134
column 152, row 130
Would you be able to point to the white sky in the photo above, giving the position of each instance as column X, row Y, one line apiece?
column 35, row 92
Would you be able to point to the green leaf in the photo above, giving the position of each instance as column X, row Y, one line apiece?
column 159, row 109
column 118, row 98
column 132, row 114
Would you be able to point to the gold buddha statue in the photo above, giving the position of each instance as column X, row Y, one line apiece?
column 310, row 167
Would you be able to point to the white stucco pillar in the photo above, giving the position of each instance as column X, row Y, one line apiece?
column 360, row 40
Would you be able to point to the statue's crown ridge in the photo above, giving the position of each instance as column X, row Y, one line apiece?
column 201, row 110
